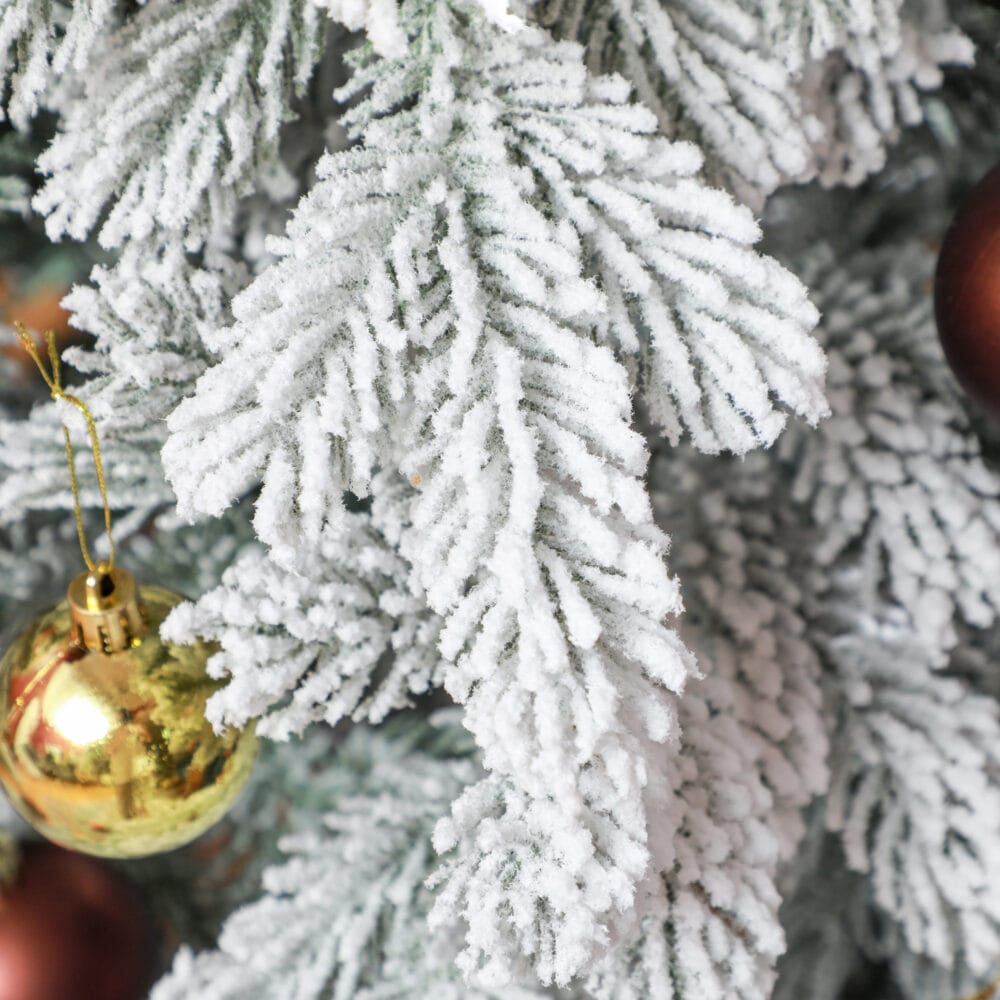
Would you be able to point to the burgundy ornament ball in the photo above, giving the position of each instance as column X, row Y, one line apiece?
column 71, row 928
column 967, row 293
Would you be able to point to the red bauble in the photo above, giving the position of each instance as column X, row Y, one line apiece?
column 967, row 293
column 71, row 928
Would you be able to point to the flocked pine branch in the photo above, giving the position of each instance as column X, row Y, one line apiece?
column 871, row 88
column 345, row 914
column 710, row 298
column 42, row 41
column 341, row 636
column 914, row 792
column 329, row 631
column 900, row 504
column 178, row 117
column 335, row 645
column 715, row 331
column 812, row 29
column 380, row 20
column 727, row 801
column 531, row 890
column 429, row 315
column 775, row 92
column 853, row 924
column 746, row 616
column 147, row 315
column 496, row 539
column 752, row 753
column 709, row 909
column 33, row 467
column 895, row 477
column 30, row 560
column 708, row 76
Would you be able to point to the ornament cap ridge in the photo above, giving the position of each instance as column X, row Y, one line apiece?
column 104, row 605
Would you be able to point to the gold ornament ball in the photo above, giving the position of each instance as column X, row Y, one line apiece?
column 105, row 747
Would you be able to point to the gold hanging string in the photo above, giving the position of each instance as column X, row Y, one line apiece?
column 53, row 379
column 988, row 992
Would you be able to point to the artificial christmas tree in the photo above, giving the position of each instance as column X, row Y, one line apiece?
column 544, row 408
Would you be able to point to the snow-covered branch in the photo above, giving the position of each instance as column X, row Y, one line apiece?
column 148, row 315
column 775, row 92
column 914, row 792
column 41, row 42
column 345, row 914
column 752, row 753
column 895, row 480
column 177, row 118
column 343, row 635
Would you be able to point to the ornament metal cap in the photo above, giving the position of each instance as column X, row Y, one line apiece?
column 104, row 605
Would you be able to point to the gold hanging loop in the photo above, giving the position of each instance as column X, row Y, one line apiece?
column 53, row 379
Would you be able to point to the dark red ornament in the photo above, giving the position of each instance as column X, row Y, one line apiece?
column 967, row 293
column 71, row 928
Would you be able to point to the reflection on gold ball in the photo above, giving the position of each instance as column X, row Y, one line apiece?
column 110, row 753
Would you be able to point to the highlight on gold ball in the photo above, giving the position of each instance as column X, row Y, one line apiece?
column 105, row 746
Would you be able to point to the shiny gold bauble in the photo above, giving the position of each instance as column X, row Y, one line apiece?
column 105, row 747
